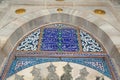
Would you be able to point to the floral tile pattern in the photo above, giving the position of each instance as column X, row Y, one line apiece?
column 98, row 64
column 88, row 43
column 30, row 42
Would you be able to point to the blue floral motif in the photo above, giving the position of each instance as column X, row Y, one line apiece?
column 98, row 64
column 59, row 39
column 30, row 42
column 88, row 43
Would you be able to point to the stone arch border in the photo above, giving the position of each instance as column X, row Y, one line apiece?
column 23, row 25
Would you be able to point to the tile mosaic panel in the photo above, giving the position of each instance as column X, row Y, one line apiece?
column 59, row 39
column 89, row 44
column 58, row 71
column 98, row 64
column 30, row 42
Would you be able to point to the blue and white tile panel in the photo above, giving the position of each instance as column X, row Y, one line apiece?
column 59, row 39
column 89, row 44
column 30, row 42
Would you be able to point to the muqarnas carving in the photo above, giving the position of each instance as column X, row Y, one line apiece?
column 67, row 69
column 18, row 77
column 99, row 77
column 52, row 75
column 83, row 74
column 36, row 73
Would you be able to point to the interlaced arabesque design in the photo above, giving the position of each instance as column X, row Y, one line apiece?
column 88, row 43
column 60, row 42
column 60, row 38
column 30, row 42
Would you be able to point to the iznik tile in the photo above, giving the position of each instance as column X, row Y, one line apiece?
column 89, row 44
column 30, row 42
column 59, row 39
column 98, row 64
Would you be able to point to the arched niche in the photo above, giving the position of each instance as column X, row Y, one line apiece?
column 52, row 17
column 59, row 42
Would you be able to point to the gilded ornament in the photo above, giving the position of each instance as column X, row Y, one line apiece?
column 99, row 11
column 60, row 10
column 59, row 0
column 20, row 11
